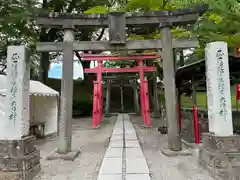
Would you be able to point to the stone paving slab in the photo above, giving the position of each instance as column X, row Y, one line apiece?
column 111, row 166
column 130, row 137
column 138, row 177
column 134, row 153
column 132, row 144
column 117, row 137
column 114, row 153
column 124, row 148
column 116, row 144
column 136, row 166
column 118, row 131
column 110, row 177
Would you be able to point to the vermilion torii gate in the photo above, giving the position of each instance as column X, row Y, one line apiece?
column 117, row 22
column 141, row 69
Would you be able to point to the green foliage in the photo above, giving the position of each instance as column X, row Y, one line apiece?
column 97, row 10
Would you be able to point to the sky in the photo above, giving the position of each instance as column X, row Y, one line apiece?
column 55, row 70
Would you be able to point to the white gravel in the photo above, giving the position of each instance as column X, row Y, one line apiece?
column 162, row 167
column 93, row 145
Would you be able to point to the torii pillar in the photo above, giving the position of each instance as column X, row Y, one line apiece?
column 64, row 150
column 136, row 98
column 108, row 98
column 174, row 140
column 156, row 107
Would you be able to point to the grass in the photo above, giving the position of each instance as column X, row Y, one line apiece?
column 186, row 101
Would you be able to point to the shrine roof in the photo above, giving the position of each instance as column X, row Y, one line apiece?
column 36, row 88
column 196, row 70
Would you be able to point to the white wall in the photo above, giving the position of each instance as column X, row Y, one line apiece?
column 45, row 110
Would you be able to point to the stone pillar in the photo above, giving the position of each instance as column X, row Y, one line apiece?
column 64, row 150
column 220, row 148
column 174, row 141
column 108, row 99
column 136, row 99
column 218, row 89
column 19, row 159
column 156, row 107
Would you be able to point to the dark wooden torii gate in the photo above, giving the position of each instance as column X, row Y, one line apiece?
column 117, row 23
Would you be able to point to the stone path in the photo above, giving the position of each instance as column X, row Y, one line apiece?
column 124, row 159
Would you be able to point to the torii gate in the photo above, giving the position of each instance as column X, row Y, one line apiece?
column 117, row 23
column 141, row 69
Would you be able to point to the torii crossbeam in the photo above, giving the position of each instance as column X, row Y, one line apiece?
column 141, row 69
column 117, row 23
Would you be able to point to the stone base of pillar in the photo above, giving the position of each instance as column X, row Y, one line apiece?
column 19, row 159
column 70, row 156
column 220, row 155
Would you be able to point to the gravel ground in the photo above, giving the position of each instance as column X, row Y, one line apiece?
column 93, row 144
column 162, row 167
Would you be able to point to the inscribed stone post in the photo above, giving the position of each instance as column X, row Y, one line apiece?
column 218, row 89
column 16, row 124
column 23, row 159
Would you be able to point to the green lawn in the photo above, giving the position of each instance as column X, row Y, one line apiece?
column 186, row 101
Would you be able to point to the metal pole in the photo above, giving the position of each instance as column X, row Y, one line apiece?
column 65, row 132
column 174, row 141
column 195, row 123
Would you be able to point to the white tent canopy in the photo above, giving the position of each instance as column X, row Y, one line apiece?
column 43, row 105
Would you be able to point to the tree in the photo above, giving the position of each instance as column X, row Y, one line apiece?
column 17, row 29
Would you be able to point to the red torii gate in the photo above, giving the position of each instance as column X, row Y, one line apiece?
column 141, row 69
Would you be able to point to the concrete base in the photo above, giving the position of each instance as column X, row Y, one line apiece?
column 19, row 159
column 189, row 145
column 221, row 156
column 169, row 153
column 70, row 156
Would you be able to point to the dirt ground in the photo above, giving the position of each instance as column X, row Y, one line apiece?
column 160, row 166
column 93, row 144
